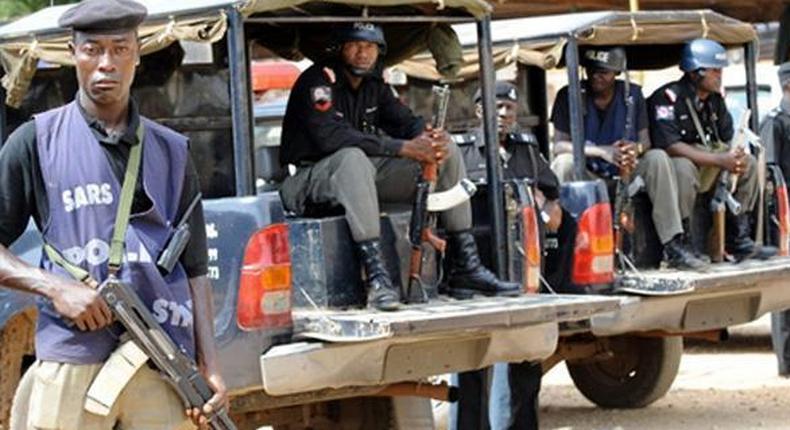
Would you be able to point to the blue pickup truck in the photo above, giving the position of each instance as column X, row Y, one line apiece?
column 296, row 345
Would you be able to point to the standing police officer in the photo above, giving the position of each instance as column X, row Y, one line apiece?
column 64, row 168
column 512, row 400
column 607, row 150
column 775, row 136
column 354, row 144
column 698, row 155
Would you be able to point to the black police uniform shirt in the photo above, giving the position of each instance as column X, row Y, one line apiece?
column 671, row 122
column 325, row 113
column 517, row 155
column 23, row 194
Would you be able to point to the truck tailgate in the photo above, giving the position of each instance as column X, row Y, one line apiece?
column 363, row 347
column 683, row 302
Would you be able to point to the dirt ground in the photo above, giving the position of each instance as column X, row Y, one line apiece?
column 733, row 385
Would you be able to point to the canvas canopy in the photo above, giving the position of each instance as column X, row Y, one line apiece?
column 652, row 38
column 37, row 36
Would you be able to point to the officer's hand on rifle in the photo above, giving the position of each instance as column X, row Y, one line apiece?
column 624, row 155
column 732, row 161
column 553, row 209
column 421, row 149
column 217, row 402
column 441, row 142
column 82, row 305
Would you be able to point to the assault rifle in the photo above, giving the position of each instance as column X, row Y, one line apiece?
column 723, row 198
column 622, row 219
column 179, row 369
column 427, row 203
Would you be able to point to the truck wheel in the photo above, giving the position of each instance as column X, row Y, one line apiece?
column 16, row 342
column 640, row 372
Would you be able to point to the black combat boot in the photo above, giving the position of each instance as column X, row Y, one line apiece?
column 382, row 295
column 690, row 244
column 677, row 255
column 468, row 276
column 739, row 241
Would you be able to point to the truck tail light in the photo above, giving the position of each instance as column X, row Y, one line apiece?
column 532, row 254
column 265, row 286
column 783, row 215
column 593, row 260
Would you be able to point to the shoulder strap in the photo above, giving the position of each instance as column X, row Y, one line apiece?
column 697, row 122
column 125, row 204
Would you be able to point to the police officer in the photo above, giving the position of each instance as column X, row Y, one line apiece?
column 512, row 401
column 607, row 150
column 697, row 155
column 354, row 144
column 517, row 151
column 64, row 168
column 775, row 136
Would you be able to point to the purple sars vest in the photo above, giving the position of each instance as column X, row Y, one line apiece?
column 83, row 195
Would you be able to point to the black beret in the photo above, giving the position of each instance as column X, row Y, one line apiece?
column 502, row 90
column 784, row 73
column 104, row 15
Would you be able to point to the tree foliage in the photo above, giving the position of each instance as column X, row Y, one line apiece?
column 14, row 8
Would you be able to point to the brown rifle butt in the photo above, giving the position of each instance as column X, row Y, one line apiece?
column 716, row 244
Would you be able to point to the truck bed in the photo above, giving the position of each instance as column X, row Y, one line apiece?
column 682, row 301
column 363, row 347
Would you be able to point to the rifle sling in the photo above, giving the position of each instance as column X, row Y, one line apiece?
column 121, row 220
column 697, row 123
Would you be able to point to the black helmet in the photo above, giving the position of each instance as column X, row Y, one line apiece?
column 366, row 31
column 605, row 58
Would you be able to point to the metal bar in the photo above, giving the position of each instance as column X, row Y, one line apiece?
column 241, row 104
column 3, row 117
column 493, row 169
column 575, row 107
column 333, row 19
column 750, row 51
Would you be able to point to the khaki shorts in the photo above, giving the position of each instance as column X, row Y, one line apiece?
column 51, row 396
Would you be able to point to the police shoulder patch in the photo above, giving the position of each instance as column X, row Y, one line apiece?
column 321, row 97
column 671, row 95
column 665, row 113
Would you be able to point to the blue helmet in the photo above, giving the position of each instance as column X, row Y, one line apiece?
column 366, row 31
column 703, row 54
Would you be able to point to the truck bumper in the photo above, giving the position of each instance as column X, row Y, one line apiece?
column 309, row 366
column 685, row 302
column 368, row 348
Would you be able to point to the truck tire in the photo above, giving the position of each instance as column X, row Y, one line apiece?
column 640, row 372
column 16, row 342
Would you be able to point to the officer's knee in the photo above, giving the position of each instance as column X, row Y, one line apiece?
column 352, row 161
column 562, row 166
column 684, row 168
column 656, row 161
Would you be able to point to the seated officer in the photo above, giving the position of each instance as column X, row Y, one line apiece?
column 354, row 144
column 607, row 150
column 517, row 151
column 699, row 151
